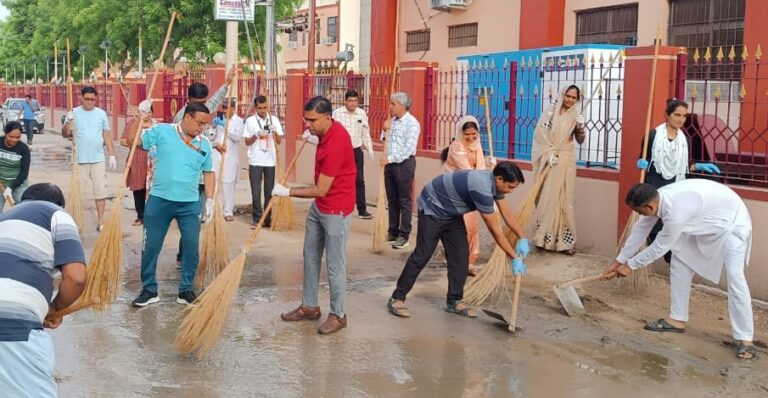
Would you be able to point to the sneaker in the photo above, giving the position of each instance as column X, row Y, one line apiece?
column 391, row 239
column 400, row 243
column 365, row 215
column 187, row 297
column 145, row 298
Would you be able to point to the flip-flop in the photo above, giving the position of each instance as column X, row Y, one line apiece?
column 462, row 309
column 662, row 326
column 742, row 349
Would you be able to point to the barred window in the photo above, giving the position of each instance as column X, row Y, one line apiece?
column 417, row 40
column 462, row 35
column 714, row 24
column 293, row 36
column 333, row 28
column 607, row 25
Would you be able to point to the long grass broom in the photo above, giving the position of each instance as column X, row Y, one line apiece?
column 103, row 282
column 201, row 327
column 381, row 216
column 640, row 278
column 74, row 202
column 214, row 245
column 283, row 213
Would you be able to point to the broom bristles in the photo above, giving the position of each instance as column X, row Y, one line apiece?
column 74, row 205
column 638, row 279
column 496, row 271
column 205, row 319
column 214, row 248
column 103, row 283
column 380, row 220
column 283, row 214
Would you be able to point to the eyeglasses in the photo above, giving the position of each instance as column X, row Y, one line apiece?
column 89, row 98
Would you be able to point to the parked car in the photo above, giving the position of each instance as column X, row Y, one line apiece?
column 10, row 110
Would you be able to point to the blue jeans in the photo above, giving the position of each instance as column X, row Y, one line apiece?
column 158, row 215
column 201, row 189
column 29, row 128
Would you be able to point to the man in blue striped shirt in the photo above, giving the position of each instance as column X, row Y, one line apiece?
column 37, row 238
column 402, row 135
column 442, row 205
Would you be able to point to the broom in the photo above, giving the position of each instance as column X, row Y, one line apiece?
column 380, row 216
column 74, row 202
column 103, row 283
column 283, row 215
column 214, row 246
column 201, row 327
column 640, row 278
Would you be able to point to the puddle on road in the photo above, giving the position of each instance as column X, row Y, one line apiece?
column 53, row 158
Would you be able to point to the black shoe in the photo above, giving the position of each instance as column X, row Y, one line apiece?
column 400, row 243
column 145, row 298
column 365, row 215
column 391, row 239
column 187, row 297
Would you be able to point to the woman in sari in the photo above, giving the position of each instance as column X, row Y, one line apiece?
column 553, row 153
column 466, row 153
column 140, row 165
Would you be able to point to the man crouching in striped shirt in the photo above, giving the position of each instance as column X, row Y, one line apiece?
column 442, row 205
column 37, row 238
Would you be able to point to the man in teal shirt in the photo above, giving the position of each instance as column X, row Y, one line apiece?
column 28, row 118
column 182, row 157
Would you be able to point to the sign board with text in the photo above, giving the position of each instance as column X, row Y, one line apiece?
column 232, row 10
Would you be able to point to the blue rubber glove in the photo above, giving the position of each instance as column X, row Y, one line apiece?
column 708, row 168
column 522, row 248
column 642, row 164
column 518, row 267
column 219, row 121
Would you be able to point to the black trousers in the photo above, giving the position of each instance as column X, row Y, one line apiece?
column 398, row 181
column 453, row 234
column 360, row 181
column 256, row 174
column 140, row 199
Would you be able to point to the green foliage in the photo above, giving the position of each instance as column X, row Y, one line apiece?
column 33, row 26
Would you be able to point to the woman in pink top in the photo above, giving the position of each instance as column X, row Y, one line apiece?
column 466, row 153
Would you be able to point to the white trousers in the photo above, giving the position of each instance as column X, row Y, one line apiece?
column 228, row 197
column 739, row 299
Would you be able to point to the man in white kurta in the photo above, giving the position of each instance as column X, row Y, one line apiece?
column 231, row 172
column 706, row 225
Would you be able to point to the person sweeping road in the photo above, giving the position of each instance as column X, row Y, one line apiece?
column 442, row 205
column 182, row 157
column 329, row 218
column 706, row 225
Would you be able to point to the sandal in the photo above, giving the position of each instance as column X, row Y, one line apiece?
column 746, row 352
column 461, row 309
column 398, row 308
column 662, row 326
column 229, row 218
column 138, row 222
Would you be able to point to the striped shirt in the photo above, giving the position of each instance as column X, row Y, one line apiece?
column 357, row 126
column 454, row 194
column 36, row 239
column 403, row 138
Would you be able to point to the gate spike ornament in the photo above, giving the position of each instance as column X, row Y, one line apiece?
column 707, row 55
column 720, row 54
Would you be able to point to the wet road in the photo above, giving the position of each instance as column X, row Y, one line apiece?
column 127, row 352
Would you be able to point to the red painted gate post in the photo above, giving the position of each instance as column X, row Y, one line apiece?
column 294, row 111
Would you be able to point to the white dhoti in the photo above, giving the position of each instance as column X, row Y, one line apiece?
column 739, row 298
column 228, row 197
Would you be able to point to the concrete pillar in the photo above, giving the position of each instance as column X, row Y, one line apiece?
column 294, row 112
column 541, row 23
column 383, row 33
column 639, row 63
column 754, row 80
column 413, row 78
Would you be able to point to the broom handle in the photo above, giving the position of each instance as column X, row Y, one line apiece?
column 488, row 122
column 651, row 92
column 515, row 302
column 581, row 280
column 73, row 308
column 121, row 187
column 70, row 105
column 252, row 240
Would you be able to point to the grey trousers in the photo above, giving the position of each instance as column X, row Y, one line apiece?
column 327, row 232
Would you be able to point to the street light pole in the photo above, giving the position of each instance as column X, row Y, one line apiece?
column 35, row 67
column 82, row 50
column 63, row 55
column 47, row 69
column 105, row 46
column 14, row 74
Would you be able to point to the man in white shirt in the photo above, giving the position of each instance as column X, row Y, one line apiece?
column 706, row 224
column 231, row 172
column 262, row 134
column 355, row 120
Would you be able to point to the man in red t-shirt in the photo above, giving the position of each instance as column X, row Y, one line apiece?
column 329, row 216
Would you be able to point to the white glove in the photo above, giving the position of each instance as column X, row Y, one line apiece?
column 112, row 162
column 70, row 116
column 307, row 136
column 145, row 107
column 554, row 160
column 370, row 154
column 580, row 120
column 8, row 192
column 208, row 210
column 280, row 190
column 491, row 161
